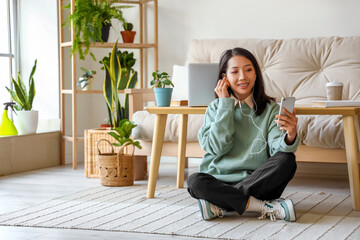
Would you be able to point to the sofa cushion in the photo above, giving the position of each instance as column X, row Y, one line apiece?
column 146, row 122
column 315, row 131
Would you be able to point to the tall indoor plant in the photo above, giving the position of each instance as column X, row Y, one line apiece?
column 89, row 19
column 162, row 93
column 113, row 82
column 26, row 119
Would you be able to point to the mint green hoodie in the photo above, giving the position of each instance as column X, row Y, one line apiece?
column 232, row 142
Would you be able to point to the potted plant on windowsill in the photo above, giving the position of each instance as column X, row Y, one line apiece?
column 162, row 93
column 26, row 120
column 128, row 35
column 86, row 80
column 90, row 19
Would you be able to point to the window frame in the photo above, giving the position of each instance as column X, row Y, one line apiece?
column 13, row 41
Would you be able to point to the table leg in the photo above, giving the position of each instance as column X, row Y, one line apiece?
column 357, row 125
column 352, row 159
column 158, row 138
column 182, row 150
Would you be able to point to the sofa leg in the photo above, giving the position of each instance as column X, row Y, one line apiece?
column 140, row 167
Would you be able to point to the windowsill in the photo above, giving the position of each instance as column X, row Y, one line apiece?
column 21, row 153
column 25, row 135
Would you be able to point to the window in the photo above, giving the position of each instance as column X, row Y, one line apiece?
column 28, row 31
column 7, row 47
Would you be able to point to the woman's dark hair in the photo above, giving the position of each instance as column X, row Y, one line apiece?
column 261, row 99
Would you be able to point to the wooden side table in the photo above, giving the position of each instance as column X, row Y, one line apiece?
column 351, row 134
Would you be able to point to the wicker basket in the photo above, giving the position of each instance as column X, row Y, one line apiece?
column 116, row 170
column 92, row 136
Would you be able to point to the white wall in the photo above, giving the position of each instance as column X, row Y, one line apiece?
column 181, row 21
column 39, row 40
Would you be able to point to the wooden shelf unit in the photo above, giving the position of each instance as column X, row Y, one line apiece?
column 141, row 46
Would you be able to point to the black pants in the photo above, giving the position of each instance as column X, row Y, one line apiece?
column 265, row 183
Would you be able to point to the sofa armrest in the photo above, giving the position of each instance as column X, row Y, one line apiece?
column 137, row 98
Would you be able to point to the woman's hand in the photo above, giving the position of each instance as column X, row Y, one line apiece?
column 222, row 88
column 289, row 124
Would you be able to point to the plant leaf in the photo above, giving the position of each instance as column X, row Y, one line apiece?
column 108, row 93
column 20, row 94
column 132, row 83
column 31, row 93
column 114, row 135
column 32, row 71
column 22, row 85
column 13, row 95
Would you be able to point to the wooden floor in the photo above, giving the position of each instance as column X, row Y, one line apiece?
column 22, row 190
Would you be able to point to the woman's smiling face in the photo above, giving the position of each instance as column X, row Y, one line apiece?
column 241, row 74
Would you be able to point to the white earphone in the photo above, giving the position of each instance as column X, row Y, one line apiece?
column 262, row 132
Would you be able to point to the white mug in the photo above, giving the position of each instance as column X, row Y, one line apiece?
column 334, row 90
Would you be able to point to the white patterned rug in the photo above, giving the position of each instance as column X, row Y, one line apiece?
column 174, row 212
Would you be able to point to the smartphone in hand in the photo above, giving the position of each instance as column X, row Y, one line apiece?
column 288, row 103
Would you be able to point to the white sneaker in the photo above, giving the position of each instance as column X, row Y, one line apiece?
column 279, row 209
column 209, row 211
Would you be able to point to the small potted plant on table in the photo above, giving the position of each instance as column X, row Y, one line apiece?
column 162, row 93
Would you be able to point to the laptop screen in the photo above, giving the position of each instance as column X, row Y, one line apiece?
column 202, row 79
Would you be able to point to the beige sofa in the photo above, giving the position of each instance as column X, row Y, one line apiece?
column 292, row 67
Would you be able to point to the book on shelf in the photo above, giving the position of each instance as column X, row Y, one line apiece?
column 337, row 103
column 179, row 102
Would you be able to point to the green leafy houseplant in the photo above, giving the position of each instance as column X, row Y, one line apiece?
column 84, row 80
column 161, row 80
column 122, row 134
column 20, row 95
column 88, row 19
column 114, row 82
column 162, row 93
column 127, row 61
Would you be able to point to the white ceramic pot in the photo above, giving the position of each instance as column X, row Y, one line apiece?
column 26, row 122
column 88, row 86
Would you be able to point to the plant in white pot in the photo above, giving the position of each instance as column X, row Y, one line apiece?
column 86, row 80
column 162, row 93
column 26, row 120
